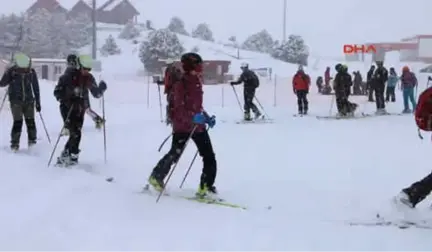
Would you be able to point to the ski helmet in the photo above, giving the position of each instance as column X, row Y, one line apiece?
column 85, row 62
column 72, row 60
column 21, row 60
column 191, row 62
column 338, row 67
column 244, row 65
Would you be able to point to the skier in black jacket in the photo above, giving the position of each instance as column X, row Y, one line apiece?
column 72, row 91
column 251, row 83
column 24, row 98
column 369, row 83
column 379, row 79
column 342, row 85
column 72, row 65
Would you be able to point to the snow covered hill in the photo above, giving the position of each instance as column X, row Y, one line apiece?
column 315, row 175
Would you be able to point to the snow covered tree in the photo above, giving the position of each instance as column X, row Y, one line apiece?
column 149, row 25
column 129, row 32
column 36, row 40
column 202, row 31
column 110, row 47
column 177, row 25
column 195, row 49
column 160, row 44
column 79, row 31
column 10, row 30
column 293, row 51
column 259, row 42
column 59, row 35
column 233, row 41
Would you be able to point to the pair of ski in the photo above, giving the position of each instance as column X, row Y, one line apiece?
column 362, row 115
column 382, row 221
column 84, row 167
column 205, row 200
column 260, row 120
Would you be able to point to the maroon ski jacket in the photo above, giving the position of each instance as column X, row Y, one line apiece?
column 187, row 98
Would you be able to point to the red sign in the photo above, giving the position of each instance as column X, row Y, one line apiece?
column 354, row 49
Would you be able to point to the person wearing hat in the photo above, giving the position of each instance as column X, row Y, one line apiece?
column 189, row 122
column 342, row 84
column 24, row 98
column 72, row 91
column 379, row 79
column 72, row 65
column 369, row 83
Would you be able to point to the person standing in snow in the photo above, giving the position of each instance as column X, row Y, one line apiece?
column 369, row 83
column 357, row 87
column 379, row 79
column 24, row 98
column 72, row 91
column 418, row 191
column 189, row 122
column 301, row 84
column 342, row 82
column 392, row 81
column 327, row 77
column 251, row 83
column 408, row 84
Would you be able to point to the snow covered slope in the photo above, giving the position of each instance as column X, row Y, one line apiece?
column 315, row 175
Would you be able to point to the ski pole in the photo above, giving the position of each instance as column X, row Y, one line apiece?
column 164, row 141
column 45, row 128
column 237, row 98
column 175, row 165
column 59, row 135
column 104, row 128
column 331, row 104
column 262, row 108
column 160, row 103
column 3, row 102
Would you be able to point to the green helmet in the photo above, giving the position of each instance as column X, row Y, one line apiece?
column 85, row 61
column 21, row 60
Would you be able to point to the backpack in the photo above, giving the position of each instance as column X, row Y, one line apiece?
column 255, row 79
column 423, row 111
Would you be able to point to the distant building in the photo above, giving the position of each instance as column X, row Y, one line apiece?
column 417, row 48
column 112, row 11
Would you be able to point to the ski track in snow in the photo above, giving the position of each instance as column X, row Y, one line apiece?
column 315, row 174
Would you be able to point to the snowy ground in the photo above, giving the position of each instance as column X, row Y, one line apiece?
column 316, row 175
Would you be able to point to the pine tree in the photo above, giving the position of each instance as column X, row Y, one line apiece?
column 79, row 31
column 259, row 42
column 59, row 35
column 178, row 26
column 293, row 51
column 160, row 44
column 202, row 31
column 37, row 38
column 110, row 47
column 129, row 32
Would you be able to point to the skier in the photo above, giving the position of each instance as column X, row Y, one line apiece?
column 72, row 65
column 319, row 83
column 369, row 83
column 342, row 83
column 251, row 83
column 327, row 77
column 392, row 81
column 301, row 84
column 72, row 91
column 357, row 88
column 379, row 78
column 24, row 98
column 419, row 190
column 408, row 83
column 189, row 120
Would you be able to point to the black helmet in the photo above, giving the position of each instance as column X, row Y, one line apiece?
column 338, row 67
column 72, row 60
column 191, row 61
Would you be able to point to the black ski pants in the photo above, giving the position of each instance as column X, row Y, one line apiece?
column 420, row 189
column 74, row 123
column 249, row 95
column 379, row 95
column 390, row 94
column 22, row 111
column 205, row 150
column 371, row 89
column 302, row 102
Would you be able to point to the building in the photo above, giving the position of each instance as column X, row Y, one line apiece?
column 49, row 69
column 417, row 48
column 111, row 11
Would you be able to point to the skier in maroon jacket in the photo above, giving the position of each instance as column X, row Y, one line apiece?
column 189, row 121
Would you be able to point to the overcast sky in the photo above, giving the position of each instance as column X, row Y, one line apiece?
column 325, row 24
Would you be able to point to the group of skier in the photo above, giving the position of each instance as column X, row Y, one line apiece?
column 71, row 92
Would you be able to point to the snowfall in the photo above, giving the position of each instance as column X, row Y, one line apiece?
column 302, row 180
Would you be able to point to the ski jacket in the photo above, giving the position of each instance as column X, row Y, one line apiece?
column 380, row 76
column 23, row 85
column 301, row 81
column 408, row 80
column 73, row 89
column 423, row 110
column 392, row 80
column 249, row 78
column 327, row 76
column 342, row 84
column 187, row 100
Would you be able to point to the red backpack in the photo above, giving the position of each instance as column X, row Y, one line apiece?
column 423, row 111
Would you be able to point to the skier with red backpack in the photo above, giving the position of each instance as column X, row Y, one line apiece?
column 419, row 190
column 408, row 84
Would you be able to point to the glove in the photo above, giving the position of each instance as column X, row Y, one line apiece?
column 38, row 107
column 211, row 121
column 103, row 86
column 201, row 118
column 232, row 83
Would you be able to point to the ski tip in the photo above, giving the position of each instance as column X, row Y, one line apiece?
column 110, row 179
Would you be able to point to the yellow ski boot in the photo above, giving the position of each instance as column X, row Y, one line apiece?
column 157, row 184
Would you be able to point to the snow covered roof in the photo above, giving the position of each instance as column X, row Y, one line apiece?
column 111, row 5
column 48, row 60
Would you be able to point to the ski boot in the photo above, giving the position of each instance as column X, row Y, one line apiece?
column 66, row 159
column 14, row 147
column 204, row 191
column 156, row 183
column 247, row 116
column 99, row 122
column 64, row 132
column 381, row 112
column 258, row 115
column 406, row 111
